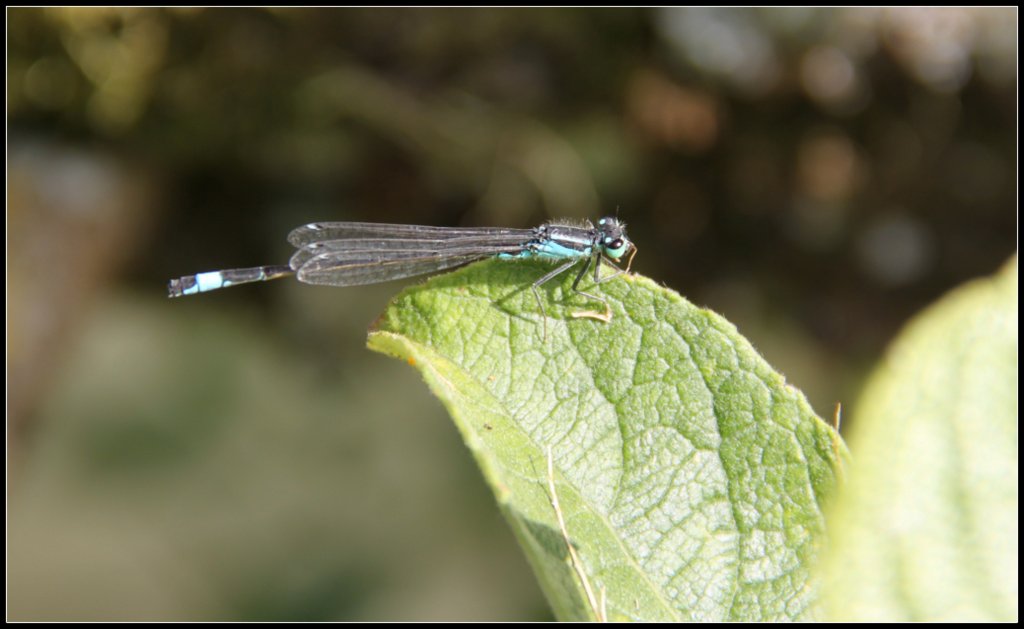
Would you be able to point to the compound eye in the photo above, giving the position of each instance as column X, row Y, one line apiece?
column 615, row 249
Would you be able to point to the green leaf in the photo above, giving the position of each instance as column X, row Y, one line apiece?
column 690, row 478
column 926, row 530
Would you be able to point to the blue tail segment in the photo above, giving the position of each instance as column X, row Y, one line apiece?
column 205, row 282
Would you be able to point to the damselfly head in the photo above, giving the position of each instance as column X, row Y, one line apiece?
column 612, row 237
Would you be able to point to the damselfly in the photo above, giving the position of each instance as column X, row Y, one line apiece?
column 350, row 254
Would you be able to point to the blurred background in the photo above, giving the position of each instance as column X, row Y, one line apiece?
column 816, row 176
